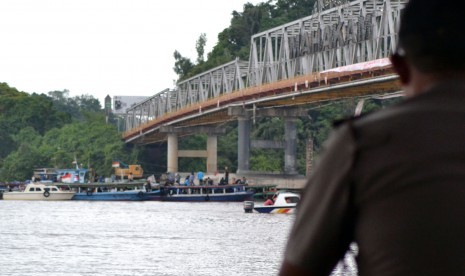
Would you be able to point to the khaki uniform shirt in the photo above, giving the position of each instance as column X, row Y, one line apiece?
column 393, row 182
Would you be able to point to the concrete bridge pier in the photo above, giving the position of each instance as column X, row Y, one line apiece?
column 172, row 155
column 243, row 144
column 290, row 116
column 290, row 145
column 210, row 154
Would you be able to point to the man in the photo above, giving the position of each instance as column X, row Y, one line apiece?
column 200, row 177
column 226, row 175
column 394, row 182
column 177, row 178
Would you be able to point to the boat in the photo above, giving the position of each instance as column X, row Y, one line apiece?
column 115, row 191
column 281, row 203
column 212, row 193
column 39, row 191
column 53, row 175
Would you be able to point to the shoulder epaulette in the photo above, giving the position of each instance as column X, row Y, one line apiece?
column 337, row 123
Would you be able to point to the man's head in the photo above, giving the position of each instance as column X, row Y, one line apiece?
column 432, row 35
column 431, row 42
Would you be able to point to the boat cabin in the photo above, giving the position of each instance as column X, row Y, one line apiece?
column 285, row 198
column 72, row 175
column 77, row 175
column 45, row 175
column 40, row 188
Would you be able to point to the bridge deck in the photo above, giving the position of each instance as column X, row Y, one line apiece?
column 301, row 90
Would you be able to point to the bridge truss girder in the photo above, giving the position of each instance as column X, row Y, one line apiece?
column 211, row 84
column 355, row 32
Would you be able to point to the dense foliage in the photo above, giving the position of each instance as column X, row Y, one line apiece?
column 51, row 131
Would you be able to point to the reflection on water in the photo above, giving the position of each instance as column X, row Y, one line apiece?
column 139, row 238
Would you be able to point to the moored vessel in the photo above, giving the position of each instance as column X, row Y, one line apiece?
column 39, row 191
column 216, row 193
column 132, row 191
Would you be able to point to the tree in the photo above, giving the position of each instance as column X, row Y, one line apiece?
column 20, row 163
column 182, row 65
column 37, row 135
column 74, row 106
column 200, row 47
column 19, row 110
column 290, row 10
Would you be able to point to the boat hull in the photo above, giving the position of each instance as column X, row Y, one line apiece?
column 115, row 196
column 212, row 193
column 275, row 209
column 281, row 203
column 236, row 197
column 38, row 196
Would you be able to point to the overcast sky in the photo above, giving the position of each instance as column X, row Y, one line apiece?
column 104, row 47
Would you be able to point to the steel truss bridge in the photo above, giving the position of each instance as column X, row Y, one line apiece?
column 335, row 53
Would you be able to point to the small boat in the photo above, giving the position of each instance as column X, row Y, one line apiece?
column 281, row 203
column 216, row 193
column 39, row 192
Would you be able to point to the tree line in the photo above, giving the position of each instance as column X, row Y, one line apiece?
column 53, row 130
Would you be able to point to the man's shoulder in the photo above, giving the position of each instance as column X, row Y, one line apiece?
column 442, row 97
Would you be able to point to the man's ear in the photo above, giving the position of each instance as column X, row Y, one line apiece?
column 402, row 68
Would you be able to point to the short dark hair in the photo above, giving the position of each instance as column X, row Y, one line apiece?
column 432, row 36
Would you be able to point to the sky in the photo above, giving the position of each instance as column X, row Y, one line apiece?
column 104, row 47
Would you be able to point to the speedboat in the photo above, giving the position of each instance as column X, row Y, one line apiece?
column 281, row 203
column 35, row 191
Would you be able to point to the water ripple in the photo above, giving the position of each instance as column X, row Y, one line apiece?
column 138, row 238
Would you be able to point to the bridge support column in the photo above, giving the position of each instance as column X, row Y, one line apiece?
column 290, row 148
column 172, row 152
column 243, row 144
column 212, row 159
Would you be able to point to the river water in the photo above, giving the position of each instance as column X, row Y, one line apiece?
column 139, row 238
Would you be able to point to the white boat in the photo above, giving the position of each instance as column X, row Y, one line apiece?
column 34, row 191
column 281, row 203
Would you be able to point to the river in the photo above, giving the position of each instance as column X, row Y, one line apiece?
column 139, row 238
